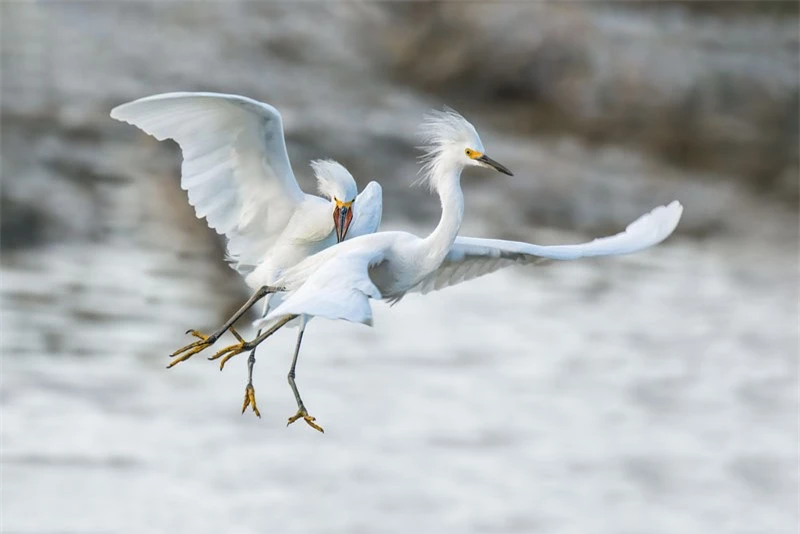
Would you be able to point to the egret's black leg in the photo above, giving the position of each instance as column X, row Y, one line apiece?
column 292, row 371
column 301, row 409
column 249, row 390
column 251, row 361
column 204, row 342
column 242, row 346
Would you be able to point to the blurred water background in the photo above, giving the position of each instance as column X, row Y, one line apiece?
column 656, row 393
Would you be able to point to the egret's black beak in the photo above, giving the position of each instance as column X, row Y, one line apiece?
column 342, row 217
column 495, row 165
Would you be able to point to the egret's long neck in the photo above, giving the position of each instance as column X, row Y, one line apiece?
column 438, row 243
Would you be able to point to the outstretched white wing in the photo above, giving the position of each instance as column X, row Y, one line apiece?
column 338, row 288
column 471, row 257
column 235, row 166
column 367, row 211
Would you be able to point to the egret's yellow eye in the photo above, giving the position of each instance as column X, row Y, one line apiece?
column 472, row 154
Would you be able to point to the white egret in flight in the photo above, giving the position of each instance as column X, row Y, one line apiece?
column 339, row 282
column 237, row 174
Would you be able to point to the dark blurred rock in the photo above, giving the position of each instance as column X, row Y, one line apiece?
column 21, row 225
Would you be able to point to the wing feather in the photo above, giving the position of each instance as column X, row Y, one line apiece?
column 235, row 166
column 338, row 288
column 471, row 257
column 367, row 211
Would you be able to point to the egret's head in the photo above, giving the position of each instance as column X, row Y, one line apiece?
column 336, row 183
column 449, row 139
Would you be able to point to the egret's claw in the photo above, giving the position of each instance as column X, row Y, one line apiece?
column 307, row 418
column 231, row 350
column 250, row 400
column 184, row 353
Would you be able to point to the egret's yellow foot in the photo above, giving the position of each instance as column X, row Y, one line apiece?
column 231, row 350
column 191, row 349
column 309, row 419
column 250, row 400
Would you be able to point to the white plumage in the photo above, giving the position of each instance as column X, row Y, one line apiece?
column 471, row 257
column 339, row 282
column 238, row 177
column 237, row 174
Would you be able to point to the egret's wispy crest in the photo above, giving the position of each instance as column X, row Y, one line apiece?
column 333, row 180
column 440, row 133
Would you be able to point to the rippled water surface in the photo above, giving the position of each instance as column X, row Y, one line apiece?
column 649, row 394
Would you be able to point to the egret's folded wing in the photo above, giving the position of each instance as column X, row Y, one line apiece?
column 235, row 166
column 367, row 211
column 471, row 257
column 339, row 288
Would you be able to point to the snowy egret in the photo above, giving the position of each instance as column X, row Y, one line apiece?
column 237, row 174
column 453, row 144
column 339, row 282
